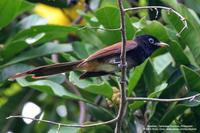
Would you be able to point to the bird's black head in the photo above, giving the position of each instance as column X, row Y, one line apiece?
column 149, row 43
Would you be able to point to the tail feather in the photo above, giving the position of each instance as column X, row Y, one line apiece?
column 48, row 70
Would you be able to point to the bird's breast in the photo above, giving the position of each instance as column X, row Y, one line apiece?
column 136, row 56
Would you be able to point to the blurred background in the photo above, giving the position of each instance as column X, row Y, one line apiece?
column 41, row 32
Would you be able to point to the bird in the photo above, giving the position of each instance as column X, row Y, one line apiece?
column 103, row 62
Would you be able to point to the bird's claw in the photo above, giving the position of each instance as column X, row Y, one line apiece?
column 120, row 65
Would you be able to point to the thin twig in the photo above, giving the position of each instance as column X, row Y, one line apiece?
column 82, row 106
column 58, row 129
column 123, row 64
column 65, row 125
column 191, row 98
column 99, row 28
column 165, row 8
column 156, row 13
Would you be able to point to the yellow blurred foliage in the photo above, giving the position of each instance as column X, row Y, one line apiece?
column 59, row 16
column 72, row 11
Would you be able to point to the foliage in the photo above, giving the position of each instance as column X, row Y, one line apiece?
column 27, row 40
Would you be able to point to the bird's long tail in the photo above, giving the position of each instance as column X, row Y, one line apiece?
column 43, row 71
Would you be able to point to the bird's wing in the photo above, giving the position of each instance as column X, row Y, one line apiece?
column 110, row 50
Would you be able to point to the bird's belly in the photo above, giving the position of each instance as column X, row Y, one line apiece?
column 106, row 67
column 95, row 66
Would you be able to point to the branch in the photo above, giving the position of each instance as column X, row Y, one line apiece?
column 165, row 8
column 65, row 125
column 123, row 64
column 190, row 98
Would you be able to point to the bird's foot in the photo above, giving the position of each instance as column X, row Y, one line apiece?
column 122, row 65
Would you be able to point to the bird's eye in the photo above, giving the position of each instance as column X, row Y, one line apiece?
column 151, row 40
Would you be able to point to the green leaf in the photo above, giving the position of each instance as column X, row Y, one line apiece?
column 103, row 89
column 74, row 78
column 105, row 3
column 10, row 103
column 178, row 54
column 64, row 130
column 109, row 17
column 32, row 20
column 156, row 29
column 99, row 89
column 47, row 29
column 151, row 77
column 169, row 92
column 25, row 6
column 190, row 36
column 80, row 49
column 12, row 70
column 7, row 15
column 58, row 78
column 33, row 36
column 172, row 3
column 43, row 50
column 90, row 36
column 100, row 113
column 137, row 104
column 50, row 88
column 96, row 129
column 178, row 110
column 194, row 4
column 158, row 90
column 135, row 77
column 192, row 78
column 8, row 10
column 161, row 62
column 55, row 3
